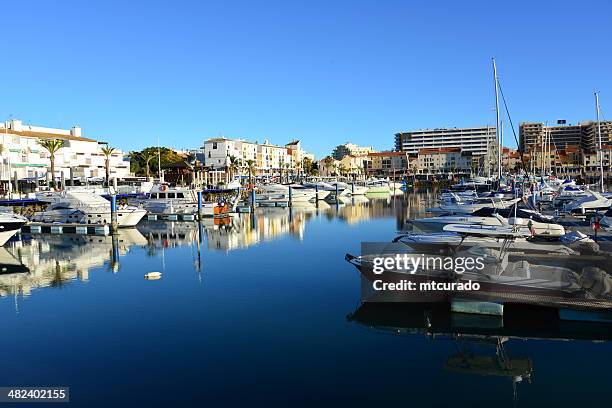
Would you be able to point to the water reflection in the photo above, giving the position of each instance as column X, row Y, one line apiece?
column 56, row 260
column 482, row 343
column 46, row 260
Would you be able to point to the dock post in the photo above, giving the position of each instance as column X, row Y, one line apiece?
column 337, row 193
column 114, row 223
column 63, row 178
column 71, row 176
column 200, row 214
column 115, row 253
column 353, row 188
column 290, row 195
column 253, row 197
column 16, row 184
column 317, row 191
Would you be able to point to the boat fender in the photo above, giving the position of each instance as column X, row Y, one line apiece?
column 152, row 275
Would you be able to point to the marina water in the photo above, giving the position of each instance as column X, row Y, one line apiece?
column 256, row 310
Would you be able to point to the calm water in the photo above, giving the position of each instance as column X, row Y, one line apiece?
column 259, row 311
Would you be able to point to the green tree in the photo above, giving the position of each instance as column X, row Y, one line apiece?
column 251, row 168
column 146, row 159
column 52, row 146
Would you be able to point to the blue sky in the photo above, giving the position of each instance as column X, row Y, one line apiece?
column 324, row 72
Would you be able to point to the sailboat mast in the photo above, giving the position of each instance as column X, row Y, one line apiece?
column 158, row 161
column 600, row 152
column 497, row 133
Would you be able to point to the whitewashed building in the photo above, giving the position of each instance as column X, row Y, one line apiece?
column 22, row 157
column 268, row 158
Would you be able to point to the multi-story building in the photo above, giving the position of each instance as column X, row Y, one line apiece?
column 22, row 157
column 444, row 160
column 349, row 148
column 533, row 135
column 328, row 166
column 267, row 158
column 590, row 163
column 511, row 159
column 387, row 164
column 354, row 165
column 476, row 140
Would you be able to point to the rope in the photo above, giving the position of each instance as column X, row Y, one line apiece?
column 501, row 92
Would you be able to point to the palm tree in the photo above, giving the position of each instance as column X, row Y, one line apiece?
column 107, row 152
column 52, row 146
column 328, row 162
column 251, row 167
column 414, row 168
column 233, row 166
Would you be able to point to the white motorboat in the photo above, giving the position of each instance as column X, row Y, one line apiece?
column 592, row 202
column 280, row 193
column 163, row 199
column 351, row 189
column 568, row 194
column 510, row 238
column 606, row 221
column 320, row 194
column 324, row 189
column 83, row 207
column 468, row 207
column 10, row 224
column 496, row 273
column 378, row 186
column 537, row 224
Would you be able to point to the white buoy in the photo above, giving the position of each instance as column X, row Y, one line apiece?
column 153, row 275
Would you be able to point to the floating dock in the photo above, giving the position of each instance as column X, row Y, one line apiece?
column 51, row 228
column 181, row 217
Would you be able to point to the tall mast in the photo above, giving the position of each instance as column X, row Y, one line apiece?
column 497, row 126
column 600, row 152
column 488, row 155
column 158, row 161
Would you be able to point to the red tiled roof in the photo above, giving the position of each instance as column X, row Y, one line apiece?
column 385, row 154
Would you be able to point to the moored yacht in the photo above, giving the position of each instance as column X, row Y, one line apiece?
column 10, row 224
column 592, row 202
column 164, row 199
column 538, row 225
column 280, row 193
column 84, row 207
column 352, row 189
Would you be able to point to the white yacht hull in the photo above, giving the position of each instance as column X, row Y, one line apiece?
column 125, row 218
column 378, row 189
column 6, row 235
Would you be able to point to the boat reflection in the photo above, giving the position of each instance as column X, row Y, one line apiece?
column 481, row 341
column 48, row 260
column 56, row 260
column 266, row 223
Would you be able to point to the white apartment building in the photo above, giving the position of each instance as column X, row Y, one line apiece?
column 350, row 148
column 23, row 157
column 443, row 160
column 476, row 140
column 268, row 158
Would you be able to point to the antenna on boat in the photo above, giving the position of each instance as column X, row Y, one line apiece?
column 599, row 153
